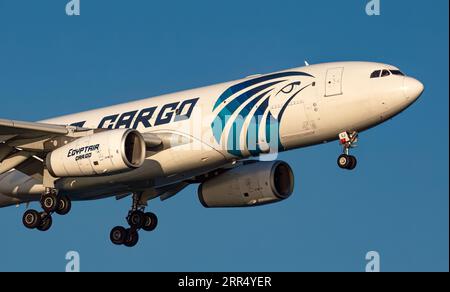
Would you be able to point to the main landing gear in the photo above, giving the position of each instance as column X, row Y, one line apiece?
column 51, row 203
column 345, row 160
column 137, row 220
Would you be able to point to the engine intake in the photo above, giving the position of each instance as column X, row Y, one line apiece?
column 101, row 153
column 250, row 184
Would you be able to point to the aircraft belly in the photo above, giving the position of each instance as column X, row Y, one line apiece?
column 19, row 185
column 7, row 201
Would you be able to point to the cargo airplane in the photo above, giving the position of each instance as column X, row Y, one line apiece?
column 211, row 136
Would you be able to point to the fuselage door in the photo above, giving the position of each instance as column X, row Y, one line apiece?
column 333, row 82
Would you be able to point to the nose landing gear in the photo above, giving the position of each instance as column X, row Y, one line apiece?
column 345, row 160
column 137, row 220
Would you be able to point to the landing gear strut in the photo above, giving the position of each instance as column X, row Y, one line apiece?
column 345, row 160
column 51, row 203
column 137, row 220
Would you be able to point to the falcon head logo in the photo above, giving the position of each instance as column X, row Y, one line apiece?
column 248, row 114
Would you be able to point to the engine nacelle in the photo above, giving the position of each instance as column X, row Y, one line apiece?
column 101, row 153
column 251, row 184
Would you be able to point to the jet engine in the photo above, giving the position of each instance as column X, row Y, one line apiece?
column 102, row 153
column 250, row 184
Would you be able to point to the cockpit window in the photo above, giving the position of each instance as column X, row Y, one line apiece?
column 375, row 74
column 385, row 73
column 397, row 72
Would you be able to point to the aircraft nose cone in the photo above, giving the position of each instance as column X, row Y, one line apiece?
column 413, row 88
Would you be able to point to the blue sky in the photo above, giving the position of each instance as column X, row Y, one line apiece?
column 396, row 202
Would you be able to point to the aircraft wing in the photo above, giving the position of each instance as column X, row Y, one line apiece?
column 21, row 141
column 16, row 133
column 10, row 129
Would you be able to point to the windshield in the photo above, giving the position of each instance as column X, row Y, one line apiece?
column 397, row 72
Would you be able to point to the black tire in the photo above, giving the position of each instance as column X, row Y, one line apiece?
column 353, row 162
column 150, row 221
column 132, row 238
column 31, row 219
column 343, row 161
column 46, row 223
column 118, row 235
column 136, row 219
column 64, row 205
column 49, row 203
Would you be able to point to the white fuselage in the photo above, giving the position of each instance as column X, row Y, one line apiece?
column 209, row 127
